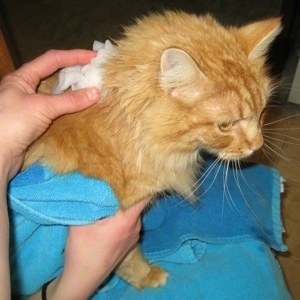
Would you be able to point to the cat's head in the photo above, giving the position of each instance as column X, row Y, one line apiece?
column 226, row 96
column 211, row 82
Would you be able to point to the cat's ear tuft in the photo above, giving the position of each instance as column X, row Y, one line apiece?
column 257, row 37
column 180, row 75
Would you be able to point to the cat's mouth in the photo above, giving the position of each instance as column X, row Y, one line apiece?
column 234, row 156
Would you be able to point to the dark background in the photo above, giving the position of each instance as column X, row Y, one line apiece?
column 35, row 26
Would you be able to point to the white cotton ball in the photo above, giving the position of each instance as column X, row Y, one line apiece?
column 78, row 77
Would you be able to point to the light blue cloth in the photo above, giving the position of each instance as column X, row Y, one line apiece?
column 245, row 270
column 217, row 248
column 46, row 199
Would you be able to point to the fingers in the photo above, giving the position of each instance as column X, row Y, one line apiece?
column 70, row 102
column 51, row 61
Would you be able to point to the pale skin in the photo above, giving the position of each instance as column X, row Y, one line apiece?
column 24, row 116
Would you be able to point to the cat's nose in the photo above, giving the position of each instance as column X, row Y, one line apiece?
column 257, row 143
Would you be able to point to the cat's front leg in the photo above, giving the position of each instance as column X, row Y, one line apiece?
column 137, row 271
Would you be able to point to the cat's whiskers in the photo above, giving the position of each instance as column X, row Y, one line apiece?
column 285, row 140
column 280, row 129
column 227, row 197
column 206, row 174
column 274, row 135
column 282, row 141
column 278, row 152
column 277, row 135
column 236, row 171
column 239, row 174
column 202, row 179
column 226, row 191
column 224, row 188
column 281, row 120
column 269, row 154
column 251, row 187
column 165, row 196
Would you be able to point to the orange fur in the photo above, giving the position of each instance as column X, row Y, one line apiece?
column 176, row 82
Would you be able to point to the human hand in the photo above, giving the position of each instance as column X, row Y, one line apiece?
column 25, row 115
column 93, row 251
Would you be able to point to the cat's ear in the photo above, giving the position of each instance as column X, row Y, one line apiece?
column 180, row 75
column 257, row 37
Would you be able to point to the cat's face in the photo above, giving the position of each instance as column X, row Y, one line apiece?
column 233, row 130
column 222, row 119
column 225, row 102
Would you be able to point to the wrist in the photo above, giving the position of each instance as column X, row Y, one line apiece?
column 4, row 172
column 49, row 289
column 9, row 165
column 47, row 292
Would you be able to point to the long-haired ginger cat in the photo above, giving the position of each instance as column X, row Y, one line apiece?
column 176, row 84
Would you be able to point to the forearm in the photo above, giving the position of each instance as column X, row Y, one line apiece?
column 76, row 286
column 83, row 273
column 4, row 236
column 78, row 282
column 24, row 116
column 93, row 251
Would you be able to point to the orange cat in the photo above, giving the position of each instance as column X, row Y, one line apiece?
column 177, row 84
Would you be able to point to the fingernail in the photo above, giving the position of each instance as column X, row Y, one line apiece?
column 93, row 94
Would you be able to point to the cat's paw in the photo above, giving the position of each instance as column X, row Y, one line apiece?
column 138, row 272
column 155, row 278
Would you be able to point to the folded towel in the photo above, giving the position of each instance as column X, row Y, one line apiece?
column 47, row 199
column 244, row 207
column 218, row 248
column 241, row 213
column 246, row 270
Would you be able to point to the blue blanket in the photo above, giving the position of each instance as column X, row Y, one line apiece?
column 217, row 248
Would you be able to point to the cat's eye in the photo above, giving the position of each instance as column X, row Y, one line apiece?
column 225, row 126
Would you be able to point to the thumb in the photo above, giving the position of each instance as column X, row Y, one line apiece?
column 72, row 101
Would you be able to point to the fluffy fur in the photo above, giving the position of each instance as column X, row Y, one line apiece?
column 178, row 84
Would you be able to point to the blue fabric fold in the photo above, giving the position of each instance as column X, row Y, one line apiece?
column 245, row 205
column 246, row 270
column 47, row 198
column 238, row 213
